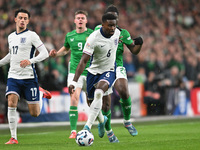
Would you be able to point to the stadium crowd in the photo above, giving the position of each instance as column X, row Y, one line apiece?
column 170, row 55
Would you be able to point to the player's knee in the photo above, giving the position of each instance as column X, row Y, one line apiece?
column 35, row 114
column 98, row 94
column 123, row 93
column 105, row 108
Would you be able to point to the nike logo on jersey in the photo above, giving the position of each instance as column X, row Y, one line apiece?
column 72, row 39
column 102, row 45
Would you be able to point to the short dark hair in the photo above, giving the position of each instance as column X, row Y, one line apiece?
column 23, row 11
column 112, row 8
column 106, row 17
column 81, row 12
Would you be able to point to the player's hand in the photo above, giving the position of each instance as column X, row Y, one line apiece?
column 53, row 53
column 120, row 39
column 138, row 41
column 24, row 63
column 72, row 87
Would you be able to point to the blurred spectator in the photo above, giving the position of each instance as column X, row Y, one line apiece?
column 170, row 29
column 129, row 65
column 152, row 95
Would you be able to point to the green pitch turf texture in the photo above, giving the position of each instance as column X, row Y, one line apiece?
column 154, row 135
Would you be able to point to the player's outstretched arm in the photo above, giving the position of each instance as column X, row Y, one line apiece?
column 5, row 60
column 136, row 46
column 61, row 52
column 79, row 70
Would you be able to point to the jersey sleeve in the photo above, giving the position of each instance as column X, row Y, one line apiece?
column 66, row 44
column 36, row 40
column 89, row 45
column 43, row 53
column 126, row 39
column 97, row 27
column 5, row 60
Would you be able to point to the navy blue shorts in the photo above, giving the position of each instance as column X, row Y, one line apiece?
column 28, row 88
column 92, row 81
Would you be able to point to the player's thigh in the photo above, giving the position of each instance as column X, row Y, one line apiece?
column 34, row 109
column 13, row 91
column 75, row 97
column 81, row 83
column 106, row 80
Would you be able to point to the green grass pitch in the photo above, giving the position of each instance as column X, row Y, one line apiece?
column 153, row 135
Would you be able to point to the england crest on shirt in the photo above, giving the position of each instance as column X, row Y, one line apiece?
column 23, row 40
column 116, row 41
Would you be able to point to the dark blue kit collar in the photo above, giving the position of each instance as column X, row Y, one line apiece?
column 21, row 32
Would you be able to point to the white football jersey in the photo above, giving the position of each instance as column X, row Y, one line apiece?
column 102, row 51
column 23, row 46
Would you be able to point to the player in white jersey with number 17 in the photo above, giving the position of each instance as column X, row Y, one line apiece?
column 22, row 78
column 101, row 46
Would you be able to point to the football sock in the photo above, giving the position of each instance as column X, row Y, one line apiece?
column 73, row 117
column 41, row 100
column 109, row 131
column 12, row 121
column 95, row 107
column 100, row 117
column 126, row 108
column 108, row 123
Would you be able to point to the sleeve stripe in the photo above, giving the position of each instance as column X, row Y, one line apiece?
column 40, row 45
column 87, row 53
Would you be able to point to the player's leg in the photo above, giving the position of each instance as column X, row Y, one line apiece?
column 32, row 95
column 102, row 82
column 107, row 112
column 121, row 85
column 13, row 92
column 73, row 112
column 12, row 117
column 95, row 94
column 74, row 100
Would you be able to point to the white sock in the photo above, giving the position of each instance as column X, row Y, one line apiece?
column 41, row 100
column 109, row 131
column 12, row 121
column 95, row 107
column 125, row 121
column 100, row 117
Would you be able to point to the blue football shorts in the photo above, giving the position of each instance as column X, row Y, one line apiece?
column 92, row 81
column 28, row 88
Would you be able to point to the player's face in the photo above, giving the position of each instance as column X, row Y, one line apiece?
column 22, row 21
column 80, row 21
column 109, row 27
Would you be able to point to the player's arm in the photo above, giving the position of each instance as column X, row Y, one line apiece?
column 136, row 46
column 61, row 52
column 79, row 70
column 5, row 60
column 43, row 54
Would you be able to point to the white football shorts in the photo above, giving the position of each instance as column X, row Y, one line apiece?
column 81, row 81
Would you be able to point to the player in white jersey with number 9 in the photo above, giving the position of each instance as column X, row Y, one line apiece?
column 22, row 77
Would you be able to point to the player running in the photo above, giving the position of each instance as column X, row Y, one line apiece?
column 22, row 77
column 75, row 41
column 101, row 46
column 121, row 82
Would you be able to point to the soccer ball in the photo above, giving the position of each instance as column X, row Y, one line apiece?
column 84, row 138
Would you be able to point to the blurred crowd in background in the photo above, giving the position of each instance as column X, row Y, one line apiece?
column 170, row 56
